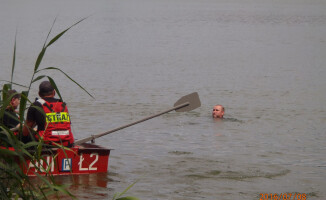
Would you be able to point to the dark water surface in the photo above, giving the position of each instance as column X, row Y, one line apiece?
column 263, row 60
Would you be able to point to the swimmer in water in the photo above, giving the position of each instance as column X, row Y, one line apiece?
column 218, row 111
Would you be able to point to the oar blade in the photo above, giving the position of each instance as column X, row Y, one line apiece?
column 192, row 99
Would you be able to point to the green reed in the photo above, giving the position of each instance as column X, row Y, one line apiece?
column 119, row 196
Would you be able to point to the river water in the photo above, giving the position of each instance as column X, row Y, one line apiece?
column 263, row 60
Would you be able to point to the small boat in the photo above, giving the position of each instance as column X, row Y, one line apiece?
column 80, row 159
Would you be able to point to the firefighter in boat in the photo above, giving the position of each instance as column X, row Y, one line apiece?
column 10, row 117
column 53, row 125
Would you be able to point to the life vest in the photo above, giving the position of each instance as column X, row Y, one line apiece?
column 57, row 123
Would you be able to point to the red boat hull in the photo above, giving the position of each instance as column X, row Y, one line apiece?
column 83, row 159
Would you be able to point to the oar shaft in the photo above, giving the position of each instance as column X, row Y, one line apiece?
column 81, row 141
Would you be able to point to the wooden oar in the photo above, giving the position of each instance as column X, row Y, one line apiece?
column 184, row 104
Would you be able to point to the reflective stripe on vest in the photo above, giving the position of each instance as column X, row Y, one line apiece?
column 57, row 117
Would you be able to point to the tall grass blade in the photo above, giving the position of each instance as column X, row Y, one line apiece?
column 10, row 170
column 39, row 59
column 47, row 37
column 5, row 89
column 8, row 152
column 5, row 102
column 128, row 198
column 54, row 68
column 122, row 193
column 38, row 78
column 55, row 87
column 63, row 32
column 22, row 107
column 41, row 54
column 13, row 60
column 53, row 187
column 13, row 84
column 29, row 144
